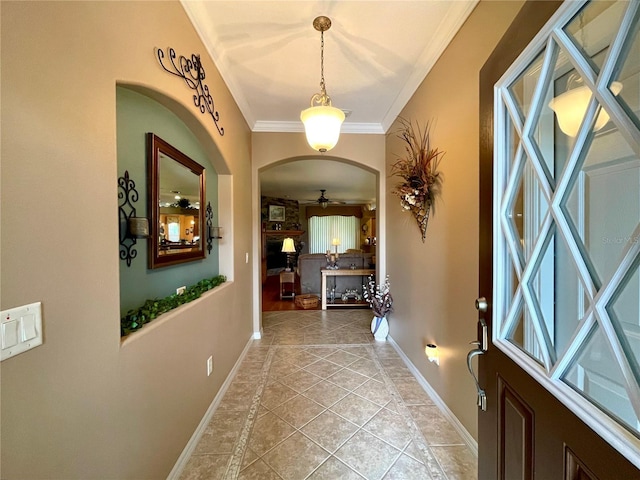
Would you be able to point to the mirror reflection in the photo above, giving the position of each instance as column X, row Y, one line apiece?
column 176, row 194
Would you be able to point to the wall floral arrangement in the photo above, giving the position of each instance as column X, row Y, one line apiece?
column 421, row 181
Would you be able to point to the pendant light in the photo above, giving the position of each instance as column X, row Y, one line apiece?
column 322, row 121
column 571, row 106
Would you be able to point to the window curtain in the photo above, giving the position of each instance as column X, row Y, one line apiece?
column 322, row 230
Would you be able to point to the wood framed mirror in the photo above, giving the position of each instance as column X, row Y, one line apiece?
column 176, row 199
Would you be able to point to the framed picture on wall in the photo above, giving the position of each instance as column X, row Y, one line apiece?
column 276, row 213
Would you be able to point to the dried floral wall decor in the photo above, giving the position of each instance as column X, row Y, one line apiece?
column 421, row 181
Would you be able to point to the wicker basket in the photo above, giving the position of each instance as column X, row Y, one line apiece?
column 307, row 301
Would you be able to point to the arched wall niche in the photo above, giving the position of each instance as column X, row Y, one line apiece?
column 192, row 121
column 206, row 137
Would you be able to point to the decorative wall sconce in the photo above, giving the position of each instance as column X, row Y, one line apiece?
column 131, row 227
column 138, row 227
column 432, row 353
column 212, row 232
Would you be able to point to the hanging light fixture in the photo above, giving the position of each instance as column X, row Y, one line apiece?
column 322, row 121
column 571, row 106
column 323, row 201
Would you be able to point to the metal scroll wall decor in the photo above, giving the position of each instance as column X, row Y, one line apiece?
column 191, row 71
column 127, row 196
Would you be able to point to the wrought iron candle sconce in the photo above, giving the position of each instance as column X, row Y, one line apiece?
column 131, row 227
column 212, row 232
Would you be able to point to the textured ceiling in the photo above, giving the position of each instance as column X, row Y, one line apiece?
column 376, row 55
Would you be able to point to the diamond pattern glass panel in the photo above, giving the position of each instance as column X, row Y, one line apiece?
column 600, row 205
column 522, row 89
column 596, row 375
column 604, row 201
column 529, row 207
column 542, row 286
column 593, row 28
column 523, row 336
column 559, row 120
column 570, row 298
column 624, row 310
column 514, row 143
column 629, row 76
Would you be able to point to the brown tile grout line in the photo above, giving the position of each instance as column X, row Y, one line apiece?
column 233, row 469
column 429, row 460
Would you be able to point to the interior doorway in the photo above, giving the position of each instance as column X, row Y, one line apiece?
column 292, row 191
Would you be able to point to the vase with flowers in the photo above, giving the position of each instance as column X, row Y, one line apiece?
column 381, row 302
column 421, row 181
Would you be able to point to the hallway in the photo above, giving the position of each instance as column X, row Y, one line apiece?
column 317, row 398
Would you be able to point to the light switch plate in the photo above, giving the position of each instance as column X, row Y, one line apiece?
column 21, row 329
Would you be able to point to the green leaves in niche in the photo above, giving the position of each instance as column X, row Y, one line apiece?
column 136, row 318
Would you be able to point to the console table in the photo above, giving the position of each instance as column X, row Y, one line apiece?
column 363, row 272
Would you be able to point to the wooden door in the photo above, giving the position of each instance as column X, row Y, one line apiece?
column 559, row 254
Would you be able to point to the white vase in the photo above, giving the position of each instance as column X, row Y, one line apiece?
column 380, row 328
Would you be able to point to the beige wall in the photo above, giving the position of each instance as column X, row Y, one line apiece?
column 82, row 405
column 435, row 283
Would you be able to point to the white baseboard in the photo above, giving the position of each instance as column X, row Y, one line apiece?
column 177, row 469
column 464, row 433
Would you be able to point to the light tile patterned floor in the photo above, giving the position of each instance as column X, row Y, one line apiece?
column 318, row 398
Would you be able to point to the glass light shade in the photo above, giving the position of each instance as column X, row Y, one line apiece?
column 571, row 106
column 288, row 246
column 322, row 126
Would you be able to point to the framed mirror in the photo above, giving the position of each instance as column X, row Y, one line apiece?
column 176, row 199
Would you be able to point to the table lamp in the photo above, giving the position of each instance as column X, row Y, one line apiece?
column 288, row 247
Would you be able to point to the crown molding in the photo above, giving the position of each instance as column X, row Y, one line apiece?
column 447, row 29
column 295, row 127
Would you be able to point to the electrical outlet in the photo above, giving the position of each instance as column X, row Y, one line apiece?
column 181, row 290
column 209, row 365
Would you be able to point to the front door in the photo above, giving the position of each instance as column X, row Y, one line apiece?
column 560, row 245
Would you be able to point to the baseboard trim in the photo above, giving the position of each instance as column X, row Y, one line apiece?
column 464, row 433
column 177, row 469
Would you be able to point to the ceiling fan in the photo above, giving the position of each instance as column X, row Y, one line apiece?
column 322, row 201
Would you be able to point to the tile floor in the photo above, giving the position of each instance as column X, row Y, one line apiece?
column 318, row 398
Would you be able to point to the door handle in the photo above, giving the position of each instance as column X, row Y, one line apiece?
column 482, row 396
column 481, row 347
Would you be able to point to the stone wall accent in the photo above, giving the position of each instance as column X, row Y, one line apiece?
column 291, row 211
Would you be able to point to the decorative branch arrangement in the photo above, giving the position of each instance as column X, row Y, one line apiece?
column 192, row 72
column 378, row 296
column 422, row 182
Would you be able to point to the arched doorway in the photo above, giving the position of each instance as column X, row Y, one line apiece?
column 292, row 187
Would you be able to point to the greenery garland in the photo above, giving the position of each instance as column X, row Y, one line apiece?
column 136, row 318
